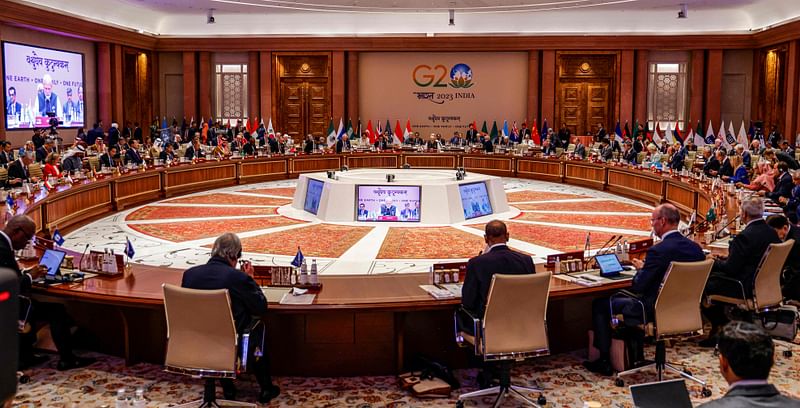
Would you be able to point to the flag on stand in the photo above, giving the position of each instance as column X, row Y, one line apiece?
column 129, row 248
column 721, row 136
column 699, row 138
column 407, row 132
column 730, row 135
column 751, row 132
column 388, row 130
column 504, row 132
column 656, row 137
column 635, row 129
column 741, row 138
column 494, row 133
column 10, row 201
column 709, row 134
column 618, row 133
column 677, row 134
column 271, row 130
column 515, row 133
column 349, row 128
column 484, row 129
column 543, row 132
column 370, row 132
column 537, row 140
column 398, row 133
column 57, row 238
column 668, row 135
column 298, row 258
column 378, row 129
column 331, row 134
column 626, row 131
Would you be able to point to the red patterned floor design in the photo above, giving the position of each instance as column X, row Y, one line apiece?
column 639, row 223
column 188, row 231
column 321, row 240
column 223, row 198
column 561, row 239
column 429, row 242
column 278, row 191
column 168, row 212
column 528, row 195
column 602, row 205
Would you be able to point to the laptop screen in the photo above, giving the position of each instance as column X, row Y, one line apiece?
column 609, row 264
column 52, row 260
column 664, row 394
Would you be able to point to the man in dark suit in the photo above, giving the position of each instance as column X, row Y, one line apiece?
column 167, row 154
column 496, row 258
column 580, row 149
column 629, row 155
column 362, row 211
column 601, row 133
column 388, row 208
column 15, row 236
column 194, row 151
column 6, row 153
column 113, row 135
column 673, row 247
column 132, row 155
column 18, row 170
column 746, row 355
column 711, row 166
column 472, row 135
column 247, row 300
column 783, row 187
column 564, row 135
column 382, row 143
column 107, row 159
column 790, row 279
column 14, row 108
column 725, row 167
column 744, row 254
column 343, row 144
column 606, row 152
column 788, row 159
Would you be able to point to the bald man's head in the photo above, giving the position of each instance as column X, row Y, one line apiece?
column 495, row 232
column 20, row 230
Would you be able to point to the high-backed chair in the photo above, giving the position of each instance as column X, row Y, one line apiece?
column 640, row 157
column 201, row 337
column 94, row 163
column 570, row 147
column 35, row 170
column 513, row 328
column 3, row 175
column 676, row 315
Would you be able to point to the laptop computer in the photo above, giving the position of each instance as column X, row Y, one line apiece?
column 610, row 267
column 51, row 259
column 664, row 394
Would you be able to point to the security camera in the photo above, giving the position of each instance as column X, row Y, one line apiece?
column 684, row 11
column 210, row 17
column 452, row 20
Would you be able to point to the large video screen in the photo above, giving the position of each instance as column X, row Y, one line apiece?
column 41, row 83
column 313, row 194
column 388, row 203
column 475, row 200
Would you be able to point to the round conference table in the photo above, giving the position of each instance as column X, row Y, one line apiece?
column 357, row 325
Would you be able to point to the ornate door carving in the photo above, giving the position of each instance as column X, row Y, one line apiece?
column 585, row 91
column 303, row 103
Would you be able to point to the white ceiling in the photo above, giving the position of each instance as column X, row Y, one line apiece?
column 394, row 17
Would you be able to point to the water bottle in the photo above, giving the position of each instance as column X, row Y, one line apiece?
column 138, row 399
column 314, row 277
column 557, row 266
column 120, row 401
column 303, row 273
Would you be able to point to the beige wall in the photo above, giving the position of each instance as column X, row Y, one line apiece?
column 170, row 78
column 41, row 39
column 387, row 90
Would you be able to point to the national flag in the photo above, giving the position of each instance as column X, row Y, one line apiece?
column 494, row 133
column 129, row 248
column 635, row 129
column 378, row 129
column 648, row 136
column 677, row 134
column 388, row 130
column 730, row 136
column 331, row 134
column 407, row 132
column 543, row 133
column 721, row 136
column 271, row 130
column 656, row 136
column 228, row 125
column 699, row 137
column 537, row 140
column 751, row 132
column 164, row 123
column 668, row 134
column 10, row 201
column 247, row 125
column 741, row 138
column 370, row 132
column 709, row 137
column 57, row 238
column 484, row 129
column 505, row 129
column 626, row 131
column 398, row 133
column 298, row 258
column 342, row 129
column 618, row 133
column 358, row 134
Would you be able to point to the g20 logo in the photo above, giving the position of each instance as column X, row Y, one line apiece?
column 460, row 76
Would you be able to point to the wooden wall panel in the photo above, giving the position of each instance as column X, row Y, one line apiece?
column 790, row 126
column 543, row 169
column 713, row 87
column 696, row 76
column 299, row 165
column 190, row 179
column 117, row 87
column 133, row 190
column 265, row 82
column 204, row 81
column 253, row 96
column 256, row 171
column 431, row 161
column 388, row 162
column 337, row 83
column 189, row 85
column 104, row 83
column 74, row 207
column 640, row 86
column 548, row 91
column 352, row 85
column 626, row 86
column 533, row 87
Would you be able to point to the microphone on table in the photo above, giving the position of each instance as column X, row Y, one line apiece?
column 82, row 255
column 603, row 248
column 718, row 234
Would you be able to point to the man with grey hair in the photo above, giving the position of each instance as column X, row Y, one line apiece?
column 646, row 283
column 736, row 271
column 247, row 300
column 18, row 170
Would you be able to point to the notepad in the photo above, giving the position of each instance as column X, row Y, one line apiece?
column 437, row 292
column 290, row 299
column 274, row 295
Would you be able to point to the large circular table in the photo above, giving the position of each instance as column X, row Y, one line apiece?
column 357, row 324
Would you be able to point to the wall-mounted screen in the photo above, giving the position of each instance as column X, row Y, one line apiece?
column 388, row 203
column 40, row 84
column 475, row 200
column 313, row 194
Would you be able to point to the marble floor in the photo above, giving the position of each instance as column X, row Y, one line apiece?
column 545, row 218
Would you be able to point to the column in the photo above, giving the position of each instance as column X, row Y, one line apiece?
column 352, row 85
column 626, row 86
column 533, row 87
column 714, row 87
column 640, row 77
column 189, row 85
column 338, row 85
column 548, row 75
column 265, row 82
column 253, row 97
column 696, row 76
column 204, row 79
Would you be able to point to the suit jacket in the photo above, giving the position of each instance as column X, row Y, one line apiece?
column 676, row 162
column 580, row 150
column 747, row 159
column 674, row 247
column 783, row 188
column 480, row 269
column 342, row 145
column 753, row 396
column 785, row 157
column 488, row 147
column 41, row 154
column 247, row 299
column 711, row 164
column 725, row 168
column 606, row 153
column 630, row 156
column 132, row 156
column 472, row 136
column 745, row 252
column 166, row 156
column 7, row 260
column 793, row 260
column 107, row 160
column 191, row 153
column 308, row 147
column 17, row 170
column 6, row 158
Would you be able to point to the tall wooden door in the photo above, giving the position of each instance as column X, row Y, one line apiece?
column 304, row 107
column 582, row 105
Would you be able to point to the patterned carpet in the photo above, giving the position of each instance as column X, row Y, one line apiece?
column 276, row 191
column 222, row 198
column 565, row 382
column 320, row 240
column 155, row 212
column 519, row 196
column 429, row 242
column 562, row 239
column 603, row 205
column 188, row 231
column 639, row 223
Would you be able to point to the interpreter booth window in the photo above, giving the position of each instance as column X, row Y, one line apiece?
column 230, row 92
column 667, row 95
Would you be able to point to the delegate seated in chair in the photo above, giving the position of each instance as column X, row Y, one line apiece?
column 646, row 283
